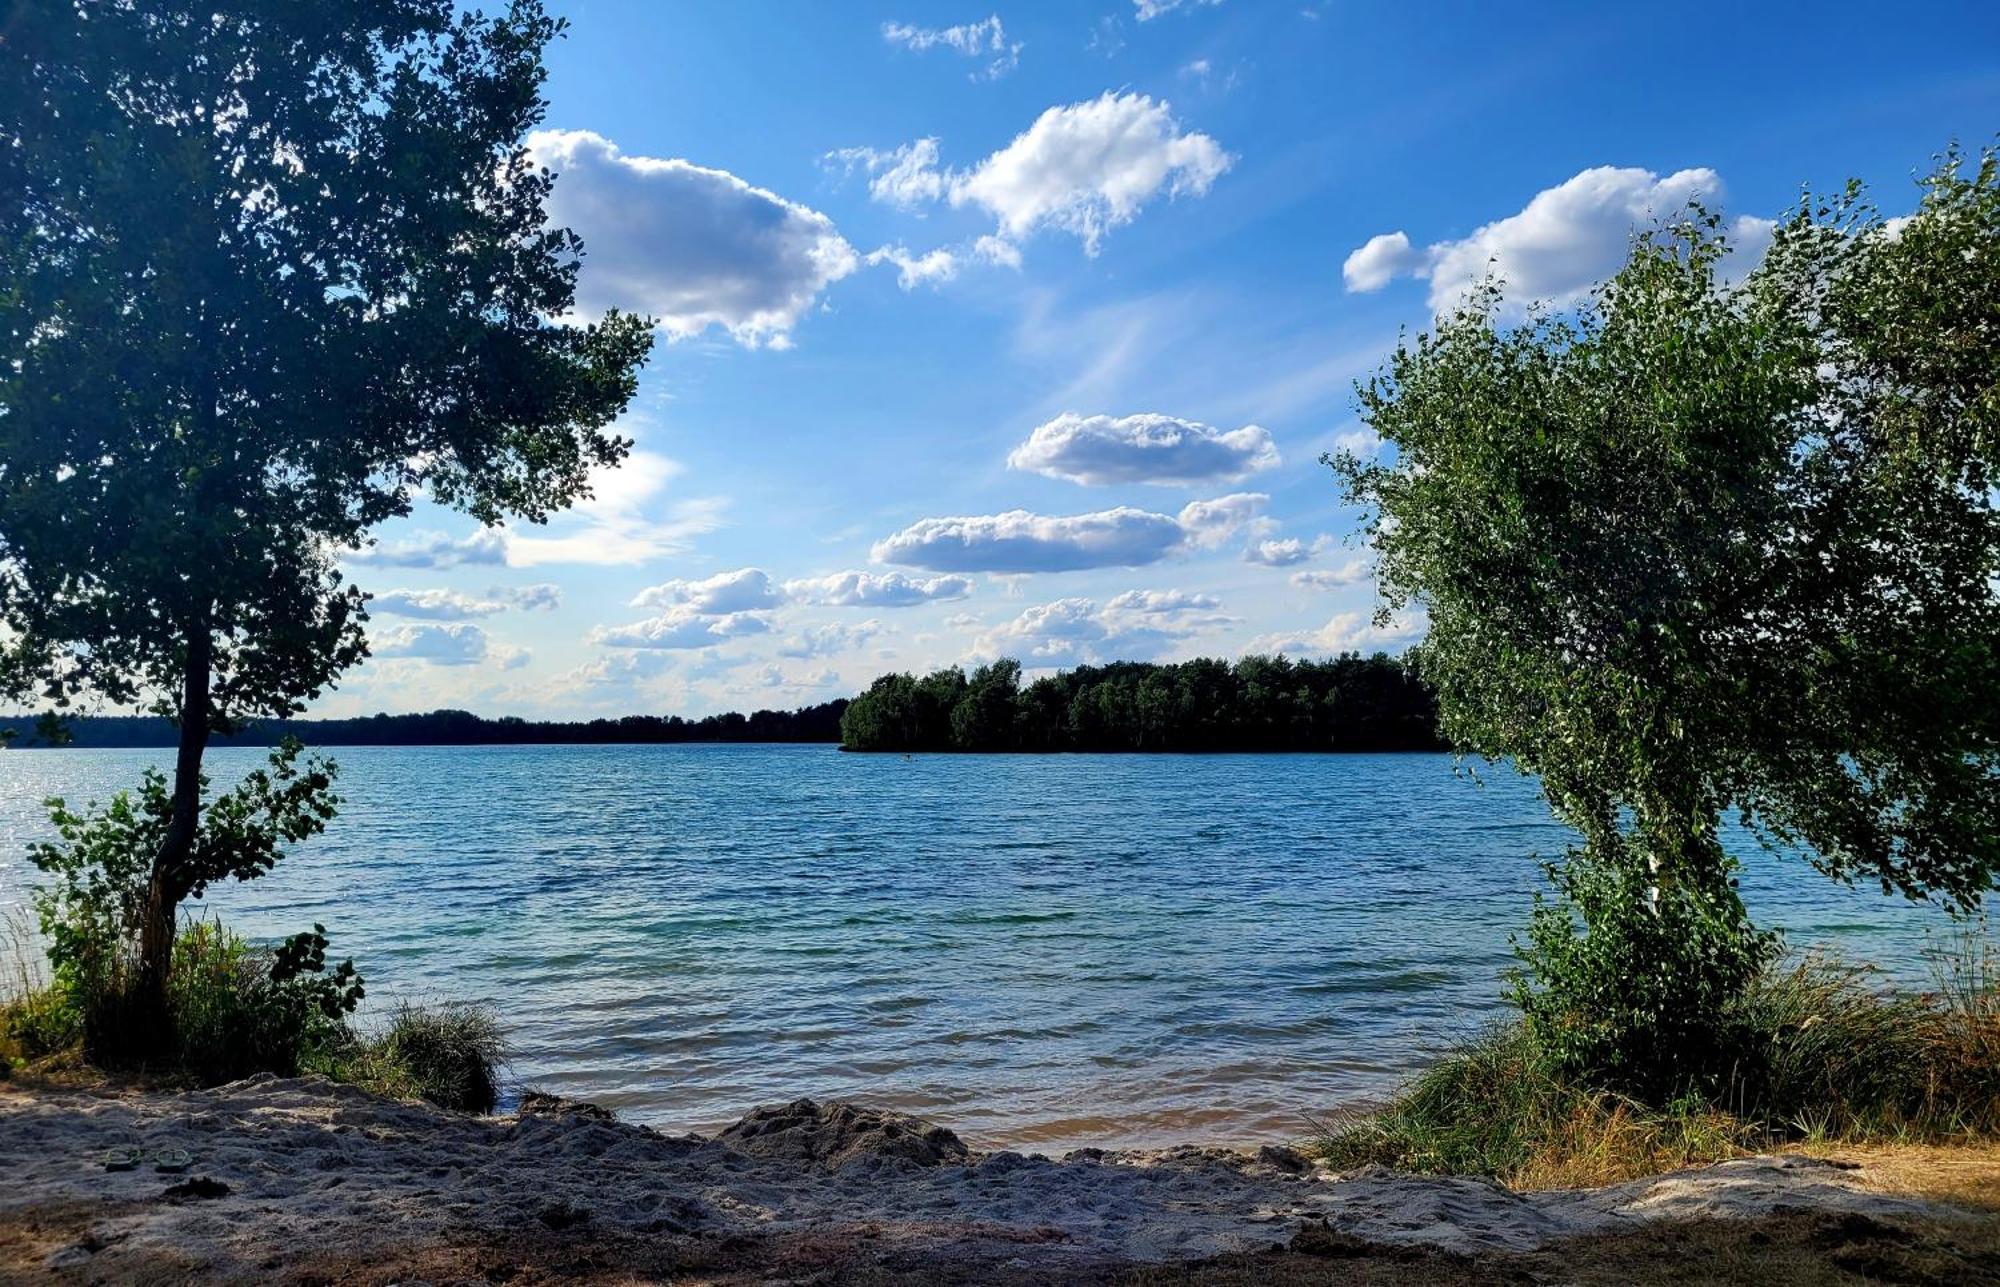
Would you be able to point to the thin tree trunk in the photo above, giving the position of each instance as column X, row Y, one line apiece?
column 169, row 882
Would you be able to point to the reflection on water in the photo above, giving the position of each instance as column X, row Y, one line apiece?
column 1038, row 951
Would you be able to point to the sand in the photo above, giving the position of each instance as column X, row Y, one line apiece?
column 289, row 1172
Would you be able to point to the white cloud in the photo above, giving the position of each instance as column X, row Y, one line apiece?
column 877, row 590
column 1564, row 241
column 997, row 250
column 744, row 590
column 543, row 596
column 1344, row 632
column 1135, row 626
column 1146, row 448
column 983, row 39
column 1147, row 10
column 1018, row 541
column 434, row 550
column 682, row 627
column 1209, row 523
column 454, row 644
column 824, row 641
column 1284, row 553
column 1352, row 572
column 1163, row 602
column 1364, row 443
column 692, row 246
column 913, row 270
column 1085, row 168
column 906, row 177
column 623, row 523
column 1381, row 259
column 433, row 605
column 775, row 676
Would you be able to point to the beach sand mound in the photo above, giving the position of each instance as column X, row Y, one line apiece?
column 304, row 1179
column 831, row 1136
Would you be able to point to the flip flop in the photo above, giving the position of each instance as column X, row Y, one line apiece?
column 123, row 1159
column 172, row 1159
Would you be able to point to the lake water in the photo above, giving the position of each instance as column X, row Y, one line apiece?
column 1037, row 951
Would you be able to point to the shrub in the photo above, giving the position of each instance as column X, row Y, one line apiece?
column 1631, row 985
column 240, row 1009
column 449, row 1055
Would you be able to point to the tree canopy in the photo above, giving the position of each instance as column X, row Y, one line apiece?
column 1709, row 546
column 268, row 272
column 1702, row 546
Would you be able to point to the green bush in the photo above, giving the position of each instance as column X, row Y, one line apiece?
column 240, row 1009
column 449, row 1055
column 1631, row 986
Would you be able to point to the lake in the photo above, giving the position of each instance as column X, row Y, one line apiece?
column 1039, row 952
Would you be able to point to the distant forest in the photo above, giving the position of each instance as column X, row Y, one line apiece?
column 461, row 728
column 1351, row 703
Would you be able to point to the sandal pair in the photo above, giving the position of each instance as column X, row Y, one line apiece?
column 129, row 1159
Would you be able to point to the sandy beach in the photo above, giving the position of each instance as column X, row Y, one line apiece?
column 304, row 1180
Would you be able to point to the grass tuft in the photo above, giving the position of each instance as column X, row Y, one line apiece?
column 1821, row 1055
column 449, row 1055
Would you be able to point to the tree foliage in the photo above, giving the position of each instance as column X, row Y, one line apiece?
column 267, row 273
column 1705, row 546
column 818, row 723
column 1349, row 703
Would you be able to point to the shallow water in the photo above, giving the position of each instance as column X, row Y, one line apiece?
column 1037, row 951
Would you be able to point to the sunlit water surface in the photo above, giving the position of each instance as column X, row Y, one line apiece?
column 1037, row 951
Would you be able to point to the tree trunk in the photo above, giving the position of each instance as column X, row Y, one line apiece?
column 152, row 1022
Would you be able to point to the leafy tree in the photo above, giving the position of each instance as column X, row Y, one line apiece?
column 1700, row 548
column 270, row 271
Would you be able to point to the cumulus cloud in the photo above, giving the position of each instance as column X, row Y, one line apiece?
column 913, row 270
column 1136, row 626
column 434, row 550
column 1163, row 602
column 1344, row 632
column 692, row 246
column 1209, row 523
column 1380, row 260
column 744, row 590
column 1564, row 241
column 984, row 39
column 907, row 176
column 1284, row 553
column 1018, row 541
column 775, row 676
column 543, row 596
column 1352, row 572
column 1145, row 448
column 433, row 605
column 1147, row 10
column 682, row 626
column 824, row 641
column 454, row 644
column 1085, row 168
column 877, row 590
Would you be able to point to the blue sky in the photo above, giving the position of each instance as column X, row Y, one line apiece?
column 1019, row 331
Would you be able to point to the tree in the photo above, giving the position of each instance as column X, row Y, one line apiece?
column 267, row 272
column 1701, row 548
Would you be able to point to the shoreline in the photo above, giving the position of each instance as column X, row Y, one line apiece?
column 302, row 1179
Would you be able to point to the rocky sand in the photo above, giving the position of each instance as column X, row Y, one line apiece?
column 292, row 1179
